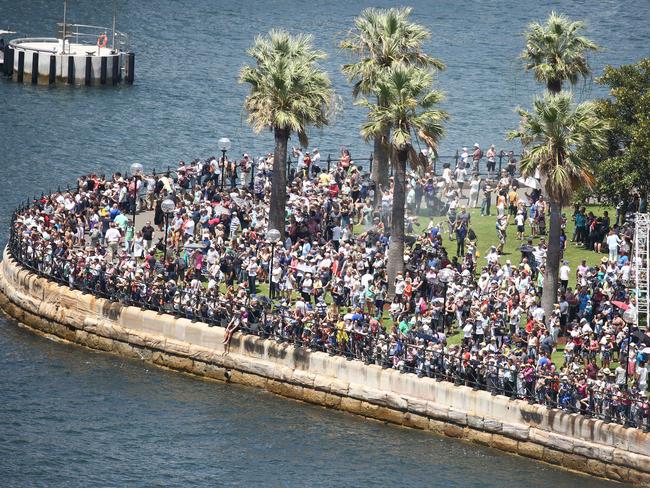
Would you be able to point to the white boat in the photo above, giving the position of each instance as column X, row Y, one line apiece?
column 79, row 55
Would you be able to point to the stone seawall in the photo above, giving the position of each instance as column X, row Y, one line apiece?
column 568, row 440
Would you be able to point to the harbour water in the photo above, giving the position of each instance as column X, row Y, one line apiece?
column 73, row 417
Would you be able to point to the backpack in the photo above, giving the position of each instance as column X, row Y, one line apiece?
column 471, row 235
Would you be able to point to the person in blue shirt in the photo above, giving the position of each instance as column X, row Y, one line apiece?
column 114, row 212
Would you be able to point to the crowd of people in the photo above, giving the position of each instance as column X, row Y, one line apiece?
column 327, row 281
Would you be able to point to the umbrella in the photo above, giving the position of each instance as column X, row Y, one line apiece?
column 643, row 338
column 621, row 305
column 530, row 182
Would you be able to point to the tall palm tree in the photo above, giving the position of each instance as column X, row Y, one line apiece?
column 410, row 108
column 552, row 136
column 556, row 52
column 288, row 92
column 380, row 39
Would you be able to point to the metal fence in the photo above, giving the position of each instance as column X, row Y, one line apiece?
column 270, row 321
column 483, row 168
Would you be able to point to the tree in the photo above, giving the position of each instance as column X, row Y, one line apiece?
column 622, row 171
column 381, row 39
column 556, row 52
column 288, row 93
column 553, row 136
column 410, row 108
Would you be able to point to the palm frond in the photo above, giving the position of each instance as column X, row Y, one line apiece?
column 556, row 51
column 288, row 89
column 552, row 135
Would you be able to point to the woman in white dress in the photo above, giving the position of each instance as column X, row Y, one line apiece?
column 474, row 188
column 138, row 245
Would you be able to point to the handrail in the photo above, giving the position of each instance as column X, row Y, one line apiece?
column 498, row 378
column 15, row 43
column 121, row 38
column 437, row 162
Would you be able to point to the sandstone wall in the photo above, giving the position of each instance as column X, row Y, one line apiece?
column 568, row 440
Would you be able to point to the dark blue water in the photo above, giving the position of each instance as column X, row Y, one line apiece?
column 73, row 417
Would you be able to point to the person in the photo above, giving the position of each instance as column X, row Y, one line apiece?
column 502, row 227
column 474, row 188
column 138, row 245
column 251, row 271
column 129, row 235
column 482, row 301
column 520, row 220
column 613, row 241
column 512, row 164
column 147, row 236
column 464, row 158
column 491, row 155
column 460, row 179
column 477, row 154
column 565, row 272
column 237, row 320
column 487, row 199
column 642, row 377
column 113, row 237
column 461, row 234
column 315, row 161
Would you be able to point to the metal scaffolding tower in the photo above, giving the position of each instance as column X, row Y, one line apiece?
column 642, row 277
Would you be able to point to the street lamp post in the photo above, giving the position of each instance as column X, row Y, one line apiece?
column 445, row 276
column 167, row 206
column 224, row 145
column 136, row 171
column 273, row 235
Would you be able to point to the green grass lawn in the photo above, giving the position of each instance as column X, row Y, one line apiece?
column 484, row 227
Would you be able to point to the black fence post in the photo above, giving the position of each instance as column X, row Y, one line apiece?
column 329, row 162
column 251, row 183
column 500, row 161
column 370, row 162
column 456, row 157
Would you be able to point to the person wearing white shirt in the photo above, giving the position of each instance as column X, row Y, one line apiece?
column 520, row 221
column 642, row 377
column 613, row 241
column 460, row 178
column 113, row 240
column 474, row 188
column 565, row 272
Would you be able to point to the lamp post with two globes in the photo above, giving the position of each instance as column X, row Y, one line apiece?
column 168, row 207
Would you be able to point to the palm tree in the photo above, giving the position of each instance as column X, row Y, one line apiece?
column 288, row 93
column 556, row 52
column 381, row 39
column 409, row 107
column 552, row 136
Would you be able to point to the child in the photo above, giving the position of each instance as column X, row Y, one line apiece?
column 519, row 221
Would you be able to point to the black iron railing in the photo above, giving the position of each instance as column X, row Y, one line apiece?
column 418, row 354
column 502, row 162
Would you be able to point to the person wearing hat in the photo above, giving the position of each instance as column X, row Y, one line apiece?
column 477, row 154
